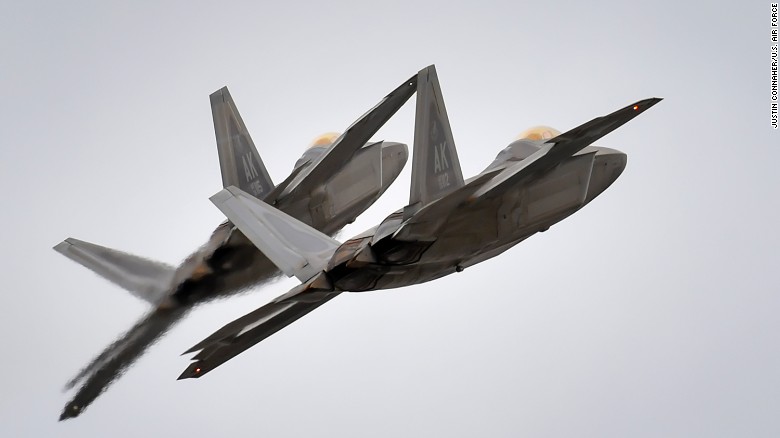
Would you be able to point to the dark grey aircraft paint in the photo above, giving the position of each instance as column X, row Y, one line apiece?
column 444, row 229
column 249, row 167
column 436, row 168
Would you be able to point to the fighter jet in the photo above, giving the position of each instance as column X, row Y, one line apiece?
column 449, row 224
column 331, row 184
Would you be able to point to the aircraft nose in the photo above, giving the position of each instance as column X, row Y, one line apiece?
column 607, row 167
column 394, row 157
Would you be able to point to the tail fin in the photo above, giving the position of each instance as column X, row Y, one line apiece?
column 294, row 247
column 146, row 279
column 435, row 166
column 238, row 158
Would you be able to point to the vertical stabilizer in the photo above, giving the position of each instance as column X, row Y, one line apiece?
column 238, row 158
column 435, row 166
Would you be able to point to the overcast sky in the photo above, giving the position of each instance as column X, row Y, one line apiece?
column 650, row 313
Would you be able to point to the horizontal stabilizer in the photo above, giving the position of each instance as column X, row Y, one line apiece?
column 146, row 279
column 354, row 138
column 294, row 247
column 239, row 161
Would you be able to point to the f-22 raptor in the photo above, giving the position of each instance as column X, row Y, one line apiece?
column 332, row 183
column 449, row 224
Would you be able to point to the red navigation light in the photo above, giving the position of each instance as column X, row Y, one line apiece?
column 197, row 370
column 636, row 107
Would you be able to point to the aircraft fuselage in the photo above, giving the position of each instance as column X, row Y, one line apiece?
column 479, row 229
column 229, row 262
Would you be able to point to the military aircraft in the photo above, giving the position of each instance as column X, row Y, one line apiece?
column 448, row 225
column 332, row 183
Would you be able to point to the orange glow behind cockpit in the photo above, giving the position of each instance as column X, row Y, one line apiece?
column 539, row 133
column 323, row 140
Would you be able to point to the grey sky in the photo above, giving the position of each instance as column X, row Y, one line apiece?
column 107, row 136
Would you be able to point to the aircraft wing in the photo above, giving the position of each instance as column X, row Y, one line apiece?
column 424, row 223
column 355, row 137
column 243, row 333
column 145, row 279
column 557, row 149
column 116, row 358
column 574, row 140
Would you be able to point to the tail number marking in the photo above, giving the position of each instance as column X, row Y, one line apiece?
column 441, row 164
column 249, row 167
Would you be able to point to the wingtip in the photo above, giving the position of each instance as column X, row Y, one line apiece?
column 402, row 89
column 642, row 105
column 412, row 81
column 193, row 371
column 649, row 102
column 70, row 411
